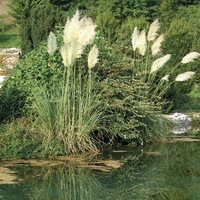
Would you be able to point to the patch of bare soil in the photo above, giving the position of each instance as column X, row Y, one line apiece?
column 4, row 6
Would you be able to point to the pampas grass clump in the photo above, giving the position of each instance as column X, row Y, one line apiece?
column 72, row 110
column 146, row 68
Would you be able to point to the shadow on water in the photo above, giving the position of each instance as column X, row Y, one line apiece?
column 164, row 171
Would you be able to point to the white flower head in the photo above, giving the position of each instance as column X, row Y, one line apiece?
column 154, row 27
column 135, row 36
column 2, row 78
column 52, row 44
column 78, row 33
column 165, row 78
column 185, row 76
column 70, row 52
column 157, row 64
column 156, row 46
column 190, row 57
column 142, row 43
column 93, row 57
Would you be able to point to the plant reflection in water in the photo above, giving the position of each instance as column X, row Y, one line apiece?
column 162, row 171
column 65, row 182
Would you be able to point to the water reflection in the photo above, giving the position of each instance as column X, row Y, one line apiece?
column 169, row 171
column 175, row 174
column 66, row 182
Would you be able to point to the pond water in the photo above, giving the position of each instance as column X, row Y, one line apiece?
column 160, row 171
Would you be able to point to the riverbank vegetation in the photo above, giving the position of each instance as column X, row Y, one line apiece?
column 83, row 85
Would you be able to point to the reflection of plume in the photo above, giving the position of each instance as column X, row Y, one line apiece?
column 66, row 183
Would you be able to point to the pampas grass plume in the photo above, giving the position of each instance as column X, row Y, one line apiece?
column 2, row 78
column 93, row 57
column 52, row 44
column 87, row 31
column 80, row 30
column 154, row 27
column 72, row 28
column 184, row 76
column 165, row 78
column 70, row 53
column 142, row 43
column 190, row 57
column 157, row 64
column 155, row 48
column 135, row 36
column 77, row 34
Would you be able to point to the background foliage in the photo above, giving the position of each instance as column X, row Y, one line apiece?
column 115, row 20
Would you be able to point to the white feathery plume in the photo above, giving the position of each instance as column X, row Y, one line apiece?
column 70, row 53
column 184, row 76
column 52, row 44
column 2, row 78
column 154, row 27
column 77, row 34
column 72, row 28
column 190, row 57
column 165, row 78
column 93, row 57
column 135, row 36
column 155, row 48
column 87, row 31
column 157, row 64
column 142, row 43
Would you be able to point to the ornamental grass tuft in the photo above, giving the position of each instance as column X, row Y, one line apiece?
column 71, row 110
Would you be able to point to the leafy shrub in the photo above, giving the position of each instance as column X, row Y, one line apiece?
column 136, row 90
column 35, row 70
column 11, row 104
column 17, row 140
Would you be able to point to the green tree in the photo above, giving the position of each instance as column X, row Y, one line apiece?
column 36, row 19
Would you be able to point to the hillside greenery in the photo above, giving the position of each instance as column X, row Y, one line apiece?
column 56, row 102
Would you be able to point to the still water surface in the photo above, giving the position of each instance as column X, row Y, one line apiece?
column 159, row 171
